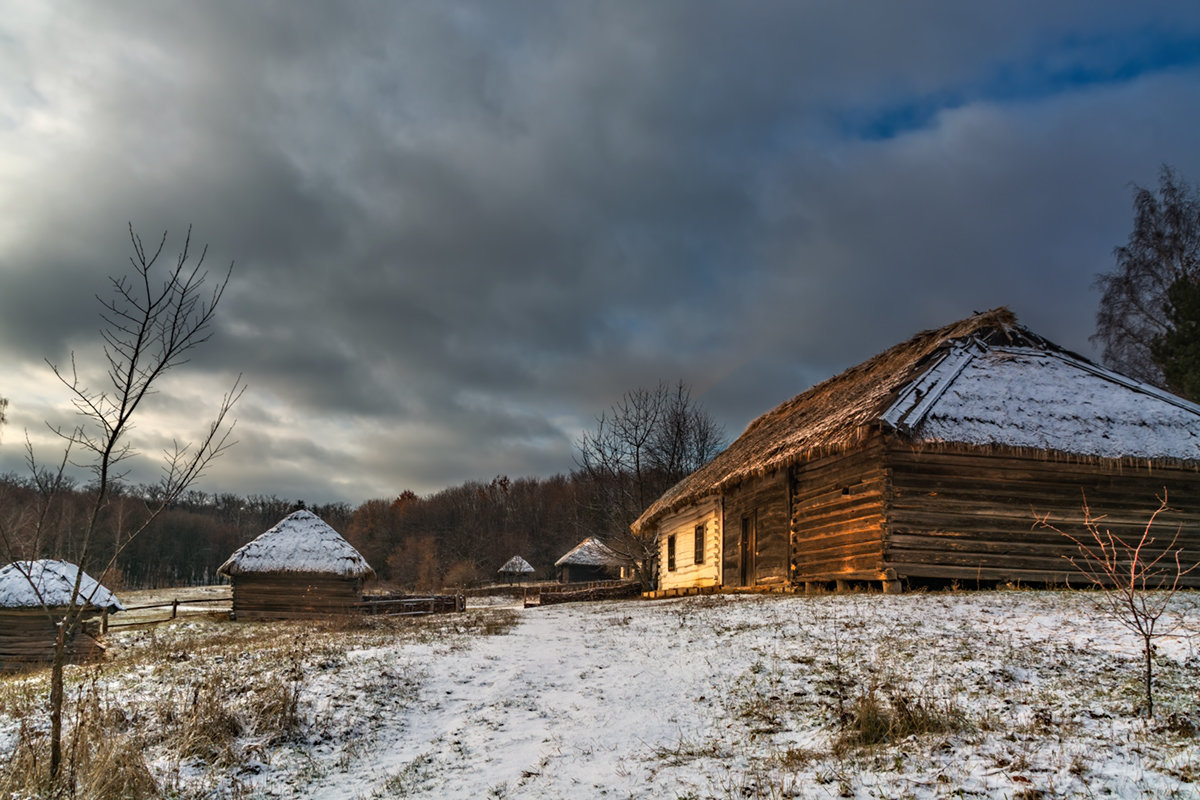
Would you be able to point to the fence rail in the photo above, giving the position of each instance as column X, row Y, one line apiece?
column 387, row 605
column 574, row 593
column 222, row 604
column 411, row 606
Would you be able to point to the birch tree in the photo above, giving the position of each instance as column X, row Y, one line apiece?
column 1143, row 295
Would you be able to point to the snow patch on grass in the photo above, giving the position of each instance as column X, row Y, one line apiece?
column 989, row 694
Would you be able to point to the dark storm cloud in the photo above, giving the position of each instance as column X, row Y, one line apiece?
column 462, row 230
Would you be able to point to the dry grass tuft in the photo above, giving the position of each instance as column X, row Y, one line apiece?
column 102, row 757
column 876, row 719
column 223, row 691
column 206, row 728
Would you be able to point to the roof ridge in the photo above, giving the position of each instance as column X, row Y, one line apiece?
column 896, row 390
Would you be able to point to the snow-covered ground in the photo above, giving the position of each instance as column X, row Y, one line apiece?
column 1032, row 695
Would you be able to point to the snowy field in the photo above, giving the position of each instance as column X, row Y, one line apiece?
column 1014, row 694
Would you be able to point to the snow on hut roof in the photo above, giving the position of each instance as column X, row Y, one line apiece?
column 30, row 584
column 592, row 552
column 516, row 564
column 300, row 542
column 985, row 381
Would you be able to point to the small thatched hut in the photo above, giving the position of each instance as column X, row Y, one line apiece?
column 516, row 569
column 34, row 596
column 592, row 560
column 299, row 568
column 928, row 462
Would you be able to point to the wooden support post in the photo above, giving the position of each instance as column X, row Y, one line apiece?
column 174, row 608
column 842, row 585
column 104, row 621
column 892, row 584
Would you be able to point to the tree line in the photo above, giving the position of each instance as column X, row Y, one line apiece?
column 453, row 538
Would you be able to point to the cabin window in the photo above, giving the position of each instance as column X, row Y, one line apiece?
column 671, row 553
column 699, row 559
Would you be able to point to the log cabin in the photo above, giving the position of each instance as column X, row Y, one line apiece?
column 34, row 597
column 592, row 560
column 932, row 462
column 516, row 570
column 301, row 568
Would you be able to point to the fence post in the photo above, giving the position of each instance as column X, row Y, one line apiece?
column 174, row 607
column 104, row 621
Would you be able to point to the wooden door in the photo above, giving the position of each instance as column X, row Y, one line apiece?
column 746, row 549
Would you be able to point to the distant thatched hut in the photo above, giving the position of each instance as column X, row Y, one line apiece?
column 515, row 570
column 34, row 596
column 592, row 560
column 929, row 462
column 299, row 568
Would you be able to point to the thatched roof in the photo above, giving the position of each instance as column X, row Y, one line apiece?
column 983, row 381
column 592, row 552
column 300, row 543
column 31, row 584
column 516, row 566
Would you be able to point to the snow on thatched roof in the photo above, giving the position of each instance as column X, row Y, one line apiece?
column 30, row 584
column 983, row 381
column 300, row 542
column 592, row 552
column 515, row 565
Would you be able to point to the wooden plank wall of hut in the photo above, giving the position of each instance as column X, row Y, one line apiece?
column 295, row 596
column 27, row 638
column 838, row 515
column 961, row 514
column 765, row 501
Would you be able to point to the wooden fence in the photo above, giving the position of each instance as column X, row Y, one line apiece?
column 217, row 605
column 401, row 605
column 581, row 592
column 387, row 605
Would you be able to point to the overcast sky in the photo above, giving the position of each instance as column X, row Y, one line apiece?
column 463, row 230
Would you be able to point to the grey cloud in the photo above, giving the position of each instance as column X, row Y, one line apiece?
column 462, row 230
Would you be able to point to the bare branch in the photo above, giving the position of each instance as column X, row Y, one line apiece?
column 150, row 326
column 1137, row 577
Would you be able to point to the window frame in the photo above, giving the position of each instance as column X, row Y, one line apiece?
column 671, row 553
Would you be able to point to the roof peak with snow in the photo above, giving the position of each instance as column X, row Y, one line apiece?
column 48, row 582
column 301, row 542
column 982, row 381
column 592, row 552
column 516, row 564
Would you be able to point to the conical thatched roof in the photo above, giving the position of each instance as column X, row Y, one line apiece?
column 592, row 552
column 30, row 584
column 516, row 566
column 983, row 381
column 300, row 542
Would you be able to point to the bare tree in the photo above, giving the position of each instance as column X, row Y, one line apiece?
column 1163, row 251
column 151, row 323
column 645, row 443
column 1137, row 578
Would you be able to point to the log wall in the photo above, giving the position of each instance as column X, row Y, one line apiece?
column 763, row 501
column 961, row 514
column 27, row 639
column 585, row 573
column 838, row 516
column 294, row 596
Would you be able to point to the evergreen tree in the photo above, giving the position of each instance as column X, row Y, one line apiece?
column 1177, row 351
